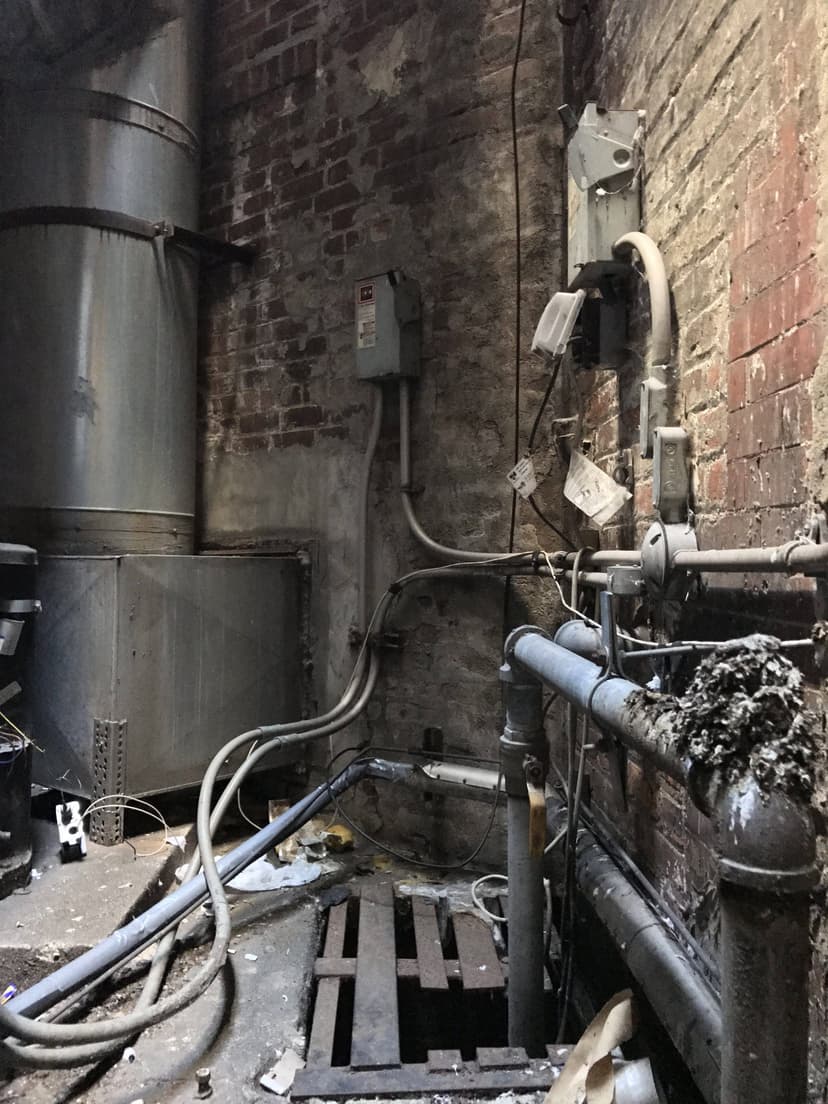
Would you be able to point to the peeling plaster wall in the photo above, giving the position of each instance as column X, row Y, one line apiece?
column 343, row 139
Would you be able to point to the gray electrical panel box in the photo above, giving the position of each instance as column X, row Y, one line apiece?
column 388, row 326
column 603, row 193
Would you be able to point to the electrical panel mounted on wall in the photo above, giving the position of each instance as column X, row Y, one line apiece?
column 387, row 333
column 603, row 158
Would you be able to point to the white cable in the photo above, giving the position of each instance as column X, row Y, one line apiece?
column 479, row 904
column 112, row 802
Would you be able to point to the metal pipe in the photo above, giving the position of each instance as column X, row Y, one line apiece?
column 678, row 995
column 523, row 742
column 172, row 908
column 661, row 340
column 364, row 496
column 526, row 903
column 784, row 559
column 582, row 639
column 766, row 873
column 614, row 703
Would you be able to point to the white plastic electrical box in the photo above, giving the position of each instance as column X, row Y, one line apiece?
column 557, row 322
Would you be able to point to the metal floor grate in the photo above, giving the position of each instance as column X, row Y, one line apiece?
column 409, row 1000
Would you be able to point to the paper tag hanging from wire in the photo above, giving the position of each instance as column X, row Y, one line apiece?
column 594, row 492
column 523, row 477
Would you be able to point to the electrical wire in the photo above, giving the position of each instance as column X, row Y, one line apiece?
column 507, row 589
column 113, row 802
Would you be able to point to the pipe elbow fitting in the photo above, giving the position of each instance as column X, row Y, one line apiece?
column 661, row 349
column 766, row 840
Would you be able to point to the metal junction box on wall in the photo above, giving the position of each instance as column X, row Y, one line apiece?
column 388, row 329
column 603, row 194
column 143, row 666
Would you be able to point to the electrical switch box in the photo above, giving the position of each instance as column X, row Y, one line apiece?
column 387, row 326
column 603, row 157
column 603, row 194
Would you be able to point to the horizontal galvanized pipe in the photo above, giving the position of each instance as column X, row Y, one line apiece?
column 681, row 999
column 615, row 703
column 784, row 559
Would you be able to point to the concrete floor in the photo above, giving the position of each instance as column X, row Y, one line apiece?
column 255, row 1009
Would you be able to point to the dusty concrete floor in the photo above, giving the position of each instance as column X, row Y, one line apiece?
column 256, row 1008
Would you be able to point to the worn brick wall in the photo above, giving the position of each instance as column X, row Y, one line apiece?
column 342, row 139
column 733, row 190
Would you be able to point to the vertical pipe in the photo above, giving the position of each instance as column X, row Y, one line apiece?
column 525, row 994
column 765, row 966
column 766, row 873
column 523, row 741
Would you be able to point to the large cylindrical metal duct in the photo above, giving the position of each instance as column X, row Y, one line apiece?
column 98, row 320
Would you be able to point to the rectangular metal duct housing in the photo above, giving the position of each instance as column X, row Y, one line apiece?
column 143, row 666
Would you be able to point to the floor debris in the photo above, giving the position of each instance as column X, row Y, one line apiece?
column 279, row 1079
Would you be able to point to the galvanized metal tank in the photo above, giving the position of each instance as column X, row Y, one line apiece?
column 98, row 326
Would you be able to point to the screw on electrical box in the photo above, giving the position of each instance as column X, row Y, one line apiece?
column 203, row 1085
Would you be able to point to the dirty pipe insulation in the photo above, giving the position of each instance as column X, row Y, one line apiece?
column 742, row 742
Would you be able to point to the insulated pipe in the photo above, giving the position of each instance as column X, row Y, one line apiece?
column 661, row 341
column 523, row 741
column 146, row 928
column 679, row 996
column 614, row 703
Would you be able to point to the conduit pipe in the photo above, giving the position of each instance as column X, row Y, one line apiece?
column 520, row 563
column 661, row 339
column 789, row 559
column 679, row 996
column 364, row 496
column 766, row 871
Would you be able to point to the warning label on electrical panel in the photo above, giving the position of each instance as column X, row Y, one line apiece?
column 366, row 316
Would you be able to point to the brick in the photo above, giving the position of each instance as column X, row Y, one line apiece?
column 297, row 416
column 796, row 298
column 783, row 249
column 790, row 359
column 340, row 196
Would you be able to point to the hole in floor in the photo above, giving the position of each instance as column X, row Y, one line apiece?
column 410, row 997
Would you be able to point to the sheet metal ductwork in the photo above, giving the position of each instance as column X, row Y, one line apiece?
column 97, row 332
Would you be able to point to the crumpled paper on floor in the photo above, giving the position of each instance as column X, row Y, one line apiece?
column 588, row 1077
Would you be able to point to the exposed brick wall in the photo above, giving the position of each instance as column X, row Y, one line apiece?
column 343, row 139
column 732, row 192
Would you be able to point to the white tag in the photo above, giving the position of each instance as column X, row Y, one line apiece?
column 595, row 493
column 523, row 478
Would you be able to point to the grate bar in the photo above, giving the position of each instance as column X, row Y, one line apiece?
column 479, row 963
column 320, row 1046
column 432, row 967
column 375, row 1041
